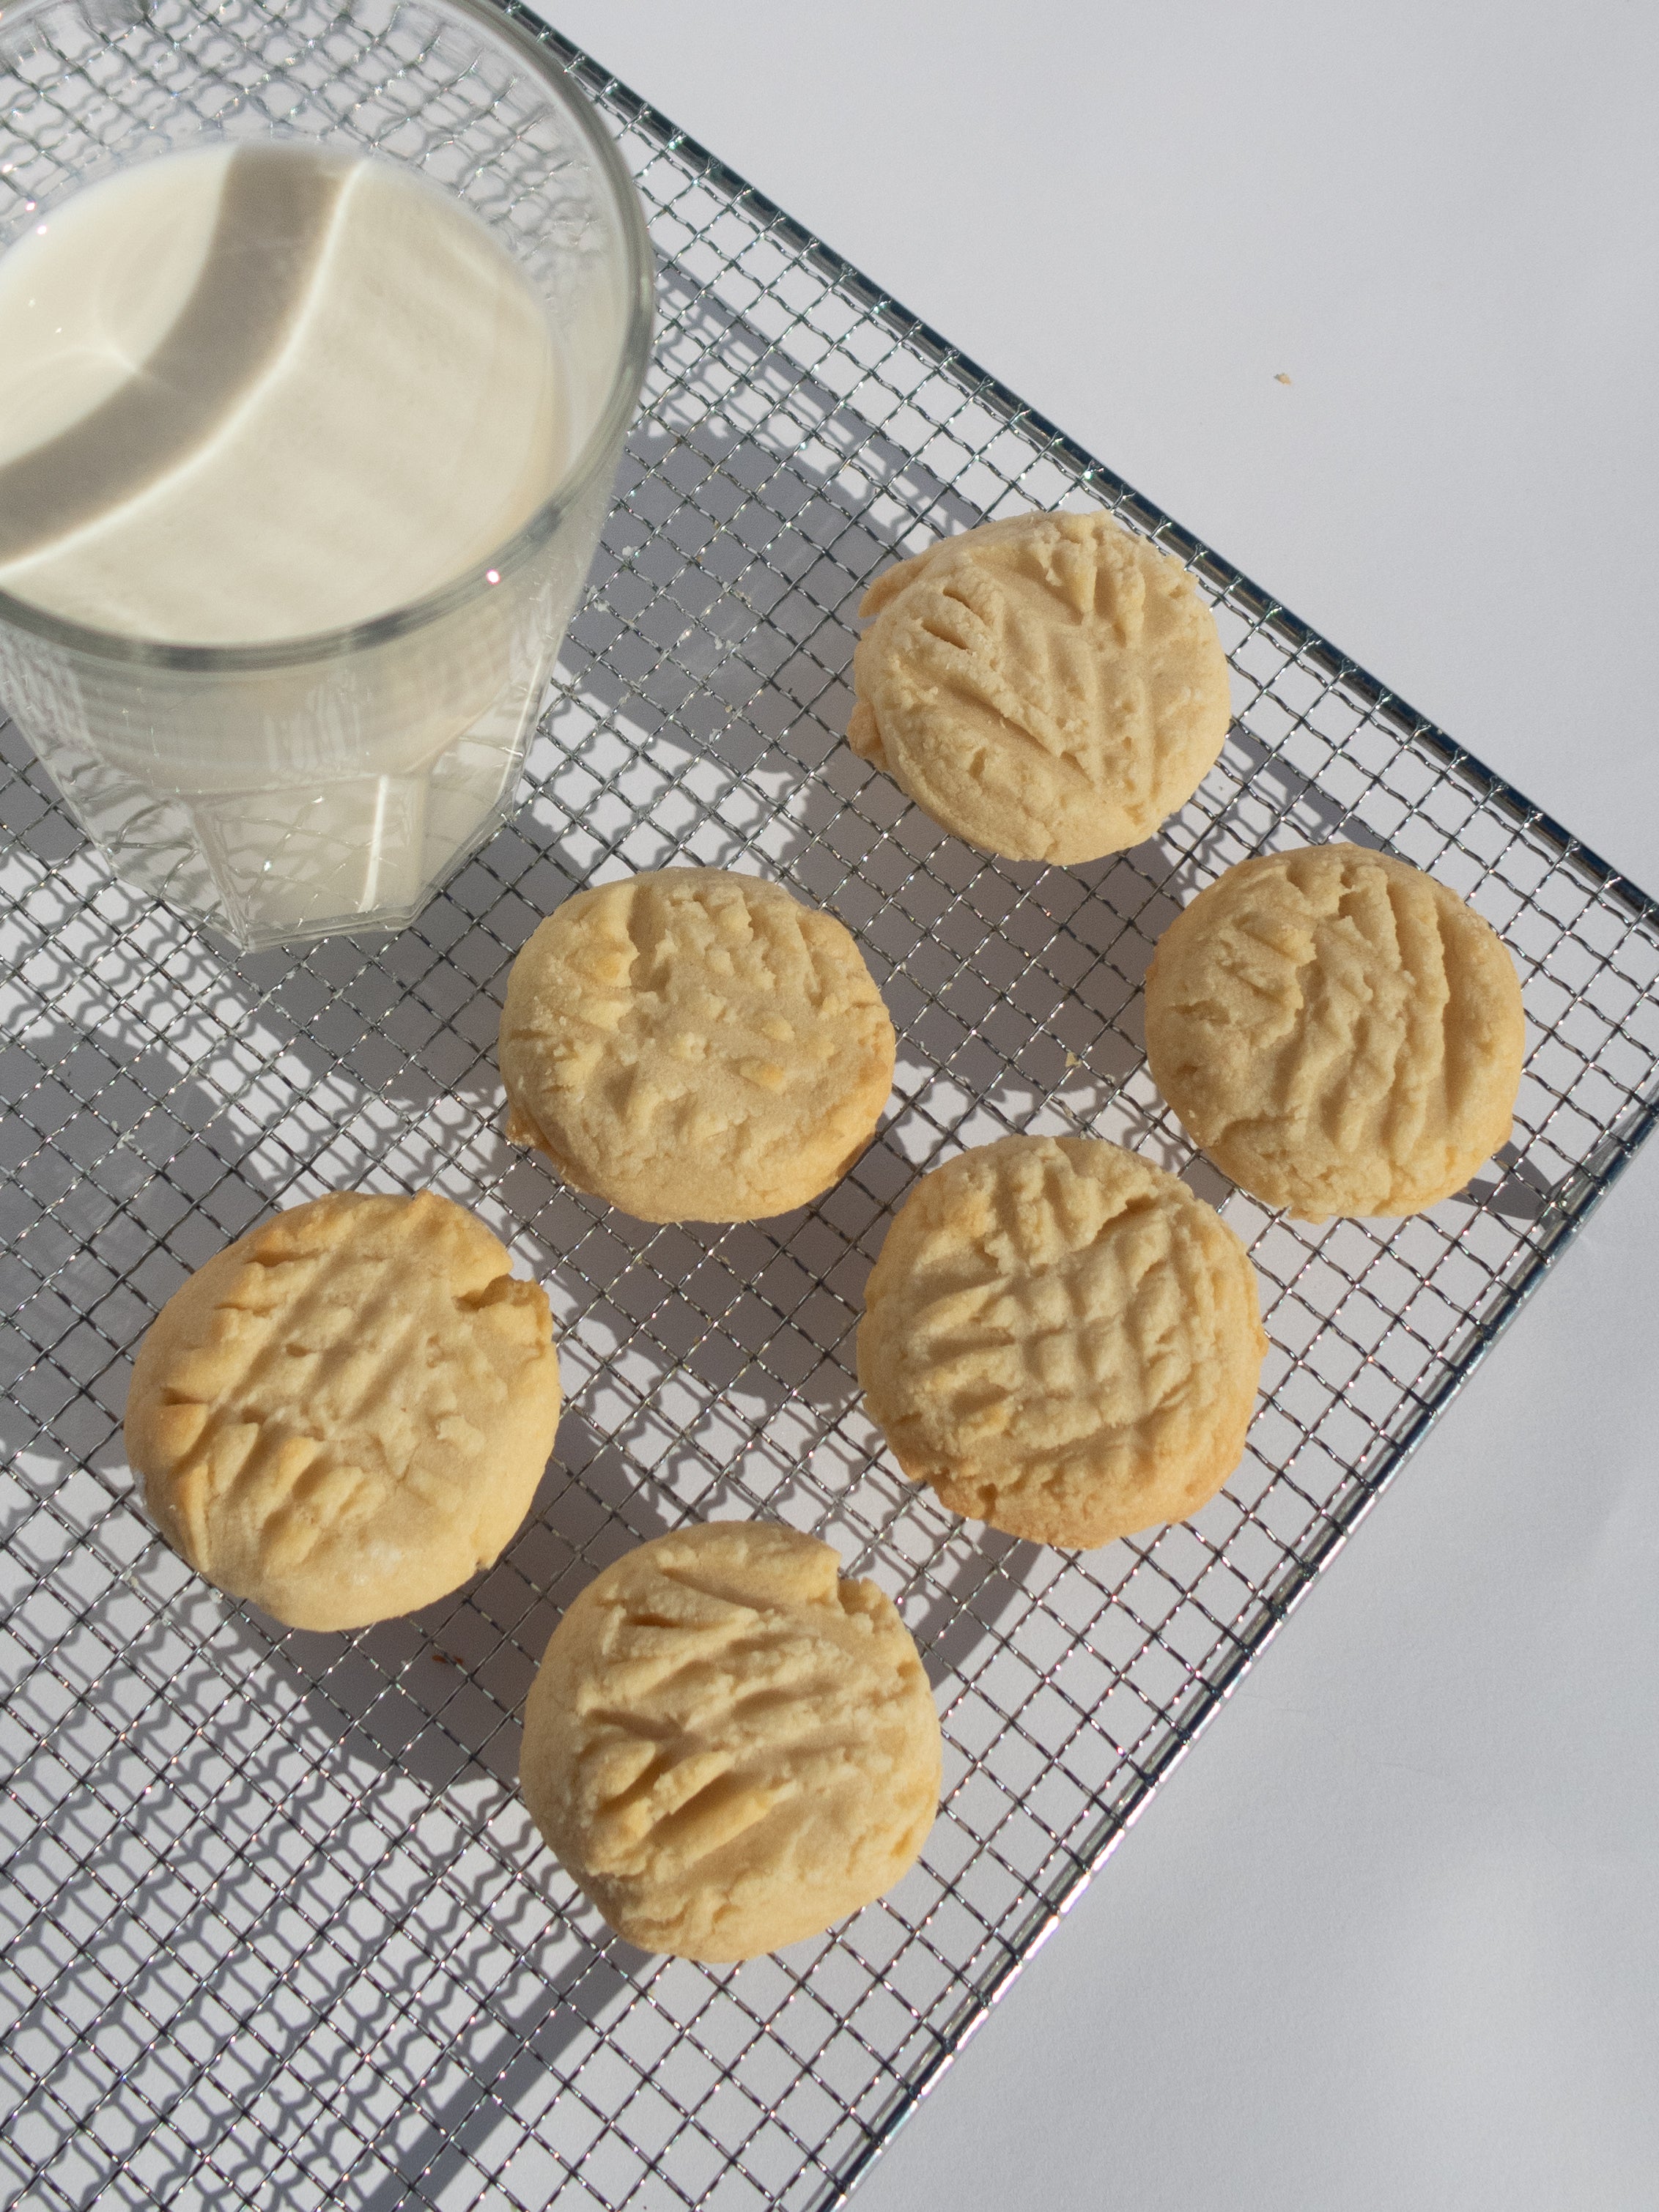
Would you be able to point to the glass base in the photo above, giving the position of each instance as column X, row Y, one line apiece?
column 272, row 868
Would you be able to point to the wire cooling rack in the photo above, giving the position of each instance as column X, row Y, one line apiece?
column 279, row 1930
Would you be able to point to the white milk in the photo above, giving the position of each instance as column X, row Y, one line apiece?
column 247, row 395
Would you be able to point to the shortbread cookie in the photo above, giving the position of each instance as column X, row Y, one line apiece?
column 729, row 1746
column 345, row 1413
column 1062, row 1340
column 1338, row 1032
column 694, row 1046
column 1049, row 688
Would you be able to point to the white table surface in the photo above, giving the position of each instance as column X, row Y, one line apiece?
column 1390, row 1936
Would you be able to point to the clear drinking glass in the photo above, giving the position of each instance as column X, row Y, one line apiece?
column 330, row 782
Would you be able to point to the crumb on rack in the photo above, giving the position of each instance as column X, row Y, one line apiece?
column 1281, row 378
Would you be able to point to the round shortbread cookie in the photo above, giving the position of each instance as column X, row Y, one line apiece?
column 1062, row 1340
column 345, row 1414
column 1338, row 1032
column 694, row 1046
column 1049, row 688
column 729, row 1746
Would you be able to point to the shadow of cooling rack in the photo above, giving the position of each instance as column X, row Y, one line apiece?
column 278, row 1933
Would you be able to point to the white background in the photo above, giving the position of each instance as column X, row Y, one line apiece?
column 1390, row 1937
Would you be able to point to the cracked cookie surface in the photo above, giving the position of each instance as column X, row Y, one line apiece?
column 1062, row 1340
column 1047, row 687
column 1340, row 1032
column 345, row 1414
column 728, row 1746
column 693, row 1045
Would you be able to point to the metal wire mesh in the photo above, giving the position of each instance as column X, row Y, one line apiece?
column 277, row 1931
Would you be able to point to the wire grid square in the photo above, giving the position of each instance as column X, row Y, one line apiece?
column 278, row 1932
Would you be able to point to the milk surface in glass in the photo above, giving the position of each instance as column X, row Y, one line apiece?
column 252, row 394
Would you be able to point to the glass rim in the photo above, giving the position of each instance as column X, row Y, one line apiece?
column 495, row 569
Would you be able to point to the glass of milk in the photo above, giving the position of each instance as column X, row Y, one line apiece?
column 321, row 328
